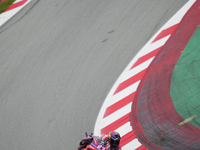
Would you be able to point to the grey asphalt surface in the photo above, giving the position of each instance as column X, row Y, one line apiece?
column 58, row 61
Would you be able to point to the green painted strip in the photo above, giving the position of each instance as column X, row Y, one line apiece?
column 185, row 81
column 4, row 5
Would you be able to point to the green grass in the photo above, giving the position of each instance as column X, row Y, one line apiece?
column 5, row 5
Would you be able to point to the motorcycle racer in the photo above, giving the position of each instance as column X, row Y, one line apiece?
column 112, row 139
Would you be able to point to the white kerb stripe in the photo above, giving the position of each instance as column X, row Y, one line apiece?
column 6, row 16
column 137, row 69
column 124, row 129
column 122, row 94
column 17, row 1
column 149, row 48
column 132, row 145
column 116, row 115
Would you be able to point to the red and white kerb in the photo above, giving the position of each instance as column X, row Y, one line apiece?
column 115, row 112
column 12, row 10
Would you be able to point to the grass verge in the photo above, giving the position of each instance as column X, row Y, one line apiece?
column 5, row 4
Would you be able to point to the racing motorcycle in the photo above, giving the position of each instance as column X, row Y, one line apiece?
column 95, row 143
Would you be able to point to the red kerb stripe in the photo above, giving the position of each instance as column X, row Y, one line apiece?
column 166, row 32
column 130, row 81
column 118, row 123
column 146, row 57
column 142, row 147
column 118, row 105
column 3, row 1
column 127, row 138
column 16, row 5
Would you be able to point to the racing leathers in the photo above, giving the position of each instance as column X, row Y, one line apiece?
column 103, row 139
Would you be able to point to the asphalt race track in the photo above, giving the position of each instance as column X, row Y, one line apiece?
column 58, row 61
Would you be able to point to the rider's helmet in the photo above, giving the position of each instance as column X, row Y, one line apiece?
column 114, row 138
